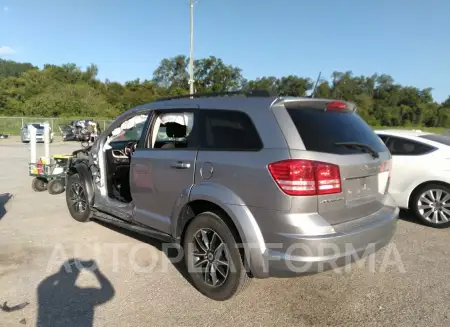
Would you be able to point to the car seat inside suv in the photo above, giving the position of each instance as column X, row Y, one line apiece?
column 176, row 132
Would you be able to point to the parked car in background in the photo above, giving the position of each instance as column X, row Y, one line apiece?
column 420, row 178
column 67, row 132
column 79, row 130
column 250, row 185
column 25, row 133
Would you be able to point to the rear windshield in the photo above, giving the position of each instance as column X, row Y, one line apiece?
column 320, row 130
column 437, row 138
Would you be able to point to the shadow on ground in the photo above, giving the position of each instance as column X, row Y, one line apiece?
column 62, row 303
column 4, row 199
column 170, row 250
column 406, row 215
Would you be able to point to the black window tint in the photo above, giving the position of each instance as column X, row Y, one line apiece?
column 320, row 130
column 437, row 138
column 229, row 130
column 403, row 147
column 384, row 138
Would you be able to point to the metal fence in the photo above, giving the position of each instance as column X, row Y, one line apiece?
column 13, row 125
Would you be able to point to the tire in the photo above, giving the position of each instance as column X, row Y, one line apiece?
column 55, row 186
column 230, row 280
column 39, row 184
column 78, row 211
column 427, row 210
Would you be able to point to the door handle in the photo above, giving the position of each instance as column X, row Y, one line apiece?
column 181, row 165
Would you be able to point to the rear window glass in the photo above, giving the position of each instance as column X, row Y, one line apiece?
column 320, row 130
column 437, row 138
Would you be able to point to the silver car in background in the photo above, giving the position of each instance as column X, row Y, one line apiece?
column 25, row 133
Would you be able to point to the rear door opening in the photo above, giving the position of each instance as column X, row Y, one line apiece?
column 351, row 163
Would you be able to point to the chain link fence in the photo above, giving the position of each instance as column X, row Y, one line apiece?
column 13, row 125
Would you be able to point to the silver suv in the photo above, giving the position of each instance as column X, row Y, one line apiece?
column 250, row 185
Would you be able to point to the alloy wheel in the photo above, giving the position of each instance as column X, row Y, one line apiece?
column 434, row 206
column 211, row 256
column 78, row 198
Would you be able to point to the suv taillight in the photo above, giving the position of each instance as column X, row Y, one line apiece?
column 306, row 177
column 386, row 166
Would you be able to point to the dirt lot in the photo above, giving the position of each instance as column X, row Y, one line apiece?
column 140, row 287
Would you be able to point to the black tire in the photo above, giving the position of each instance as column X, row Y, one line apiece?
column 236, row 278
column 437, row 206
column 55, row 186
column 79, row 212
column 39, row 184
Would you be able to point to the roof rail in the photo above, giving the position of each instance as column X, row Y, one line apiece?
column 248, row 93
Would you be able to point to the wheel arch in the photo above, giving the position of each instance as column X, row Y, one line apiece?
column 196, row 207
column 421, row 185
column 252, row 255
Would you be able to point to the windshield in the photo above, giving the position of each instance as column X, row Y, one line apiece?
column 322, row 130
column 38, row 126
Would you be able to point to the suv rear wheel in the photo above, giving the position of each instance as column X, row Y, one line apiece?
column 213, row 258
column 76, row 199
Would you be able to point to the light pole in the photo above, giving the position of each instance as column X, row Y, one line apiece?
column 191, row 56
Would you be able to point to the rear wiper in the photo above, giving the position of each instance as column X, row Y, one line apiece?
column 363, row 146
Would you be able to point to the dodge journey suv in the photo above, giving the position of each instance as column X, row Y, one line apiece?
column 248, row 185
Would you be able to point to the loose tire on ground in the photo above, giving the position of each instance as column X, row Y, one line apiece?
column 237, row 278
column 76, row 199
column 39, row 184
column 55, row 186
column 419, row 205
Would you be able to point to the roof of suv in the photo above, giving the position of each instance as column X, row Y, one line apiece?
column 233, row 101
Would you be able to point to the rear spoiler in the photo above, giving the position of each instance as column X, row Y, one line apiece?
column 319, row 104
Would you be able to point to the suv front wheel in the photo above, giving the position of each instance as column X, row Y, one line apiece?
column 213, row 258
column 76, row 198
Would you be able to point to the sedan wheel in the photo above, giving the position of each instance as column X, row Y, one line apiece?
column 432, row 206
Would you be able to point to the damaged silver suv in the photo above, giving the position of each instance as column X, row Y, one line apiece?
column 250, row 185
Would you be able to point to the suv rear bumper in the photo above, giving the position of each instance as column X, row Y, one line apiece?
column 351, row 241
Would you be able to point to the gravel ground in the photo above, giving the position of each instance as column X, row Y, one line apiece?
column 140, row 287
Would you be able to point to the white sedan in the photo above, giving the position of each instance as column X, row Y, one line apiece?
column 420, row 179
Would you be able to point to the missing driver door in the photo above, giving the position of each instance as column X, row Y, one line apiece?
column 162, row 171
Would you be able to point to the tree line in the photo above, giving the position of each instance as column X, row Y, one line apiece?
column 68, row 91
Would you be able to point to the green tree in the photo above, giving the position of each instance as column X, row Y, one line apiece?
column 68, row 90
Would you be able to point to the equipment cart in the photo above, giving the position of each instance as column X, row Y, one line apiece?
column 50, row 176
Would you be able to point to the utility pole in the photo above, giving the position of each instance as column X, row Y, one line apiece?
column 191, row 56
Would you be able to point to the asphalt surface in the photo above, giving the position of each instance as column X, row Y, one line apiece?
column 409, row 285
